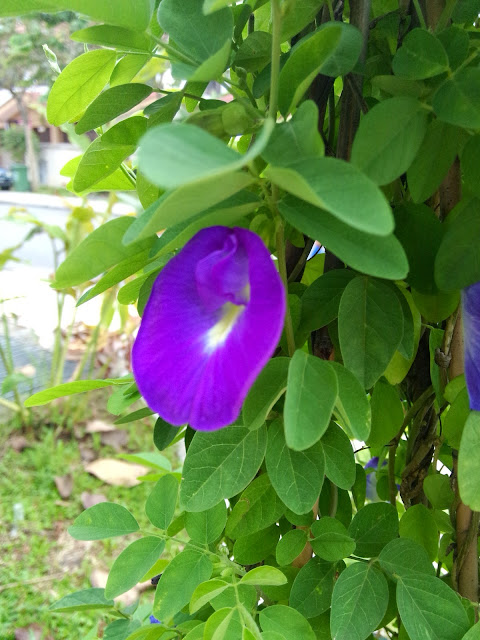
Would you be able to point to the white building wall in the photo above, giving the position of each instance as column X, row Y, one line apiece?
column 51, row 160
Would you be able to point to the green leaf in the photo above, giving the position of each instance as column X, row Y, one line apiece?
column 430, row 609
column 457, row 100
column 161, row 503
column 79, row 83
column 151, row 459
column 372, row 527
column 100, row 250
column 456, row 419
column 190, row 154
column 468, row 462
column 150, row 632
column 206, row 592
column 68, row 389
column 297, row 14
column 296, row 476
column 220, row 464
column 135, row 415
column 257, row 546
column 119, row 38
column 120, row 272
column 205, row 527
column 381, row 256
column 307, row 413
column 458, row 262
column 120, row 629
column 466, row 11
column 186, row 571
column 438, row 491
column 387, row 414
column 359, row 602
column 264, row 576
column 311, row 592
column 254, row 52
column 339, row 458
column 84, row 600
column 421, row 56
column 420, row 232
column 424, row 176
column 395, row 86
column 266, row 390
column 257, row 508
column 224, row 623
column 285, row 621
column 438, row 306
column 388, row 138
column 197, row 36
column 209, row 6
column 331, row 540
column 370, row 327
column 323, row 183
column 290, row 546
column 321, row 300
column 403, row 558
column 418, row 523
column 473, row 633
column 123, row 13
column 112, row 103
column 106, row 153
column 332, row 50
column 359, row 489
column 104, row 520
column 163, row 434
column 164, row 109
column 297, row 138
column 127, row 68
column 192, row 205
column 352, row 406
column 132, row 564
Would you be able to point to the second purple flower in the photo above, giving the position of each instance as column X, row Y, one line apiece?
column 213, row 320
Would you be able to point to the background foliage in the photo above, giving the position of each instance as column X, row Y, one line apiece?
column 355, row 125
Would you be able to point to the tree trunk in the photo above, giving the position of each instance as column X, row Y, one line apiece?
column 31, row 159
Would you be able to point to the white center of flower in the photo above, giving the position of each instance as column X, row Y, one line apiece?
column 217, row 335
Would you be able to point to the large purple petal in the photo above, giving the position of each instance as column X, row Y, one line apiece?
column 213, row 320
column 471, row 334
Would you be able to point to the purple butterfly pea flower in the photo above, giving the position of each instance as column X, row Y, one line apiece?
column 212, row 321
column 153, row 620
column 471, row 331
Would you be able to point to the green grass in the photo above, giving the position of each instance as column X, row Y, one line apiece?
column 35, row 570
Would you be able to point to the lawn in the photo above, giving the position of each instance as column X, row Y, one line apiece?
column 40, row 562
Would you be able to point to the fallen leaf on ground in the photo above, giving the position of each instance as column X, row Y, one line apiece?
column 64, row 485
column 98, row 426
column 32, row 632
column 116, row 439
column 87, row 454
column 19, row 443
column 116, row 472
column 91, row 499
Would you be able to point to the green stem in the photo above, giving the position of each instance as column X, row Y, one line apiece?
column 446, row 15
column 64, row 351
column 421, row 18
column 330, row 10
column 276, row 51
